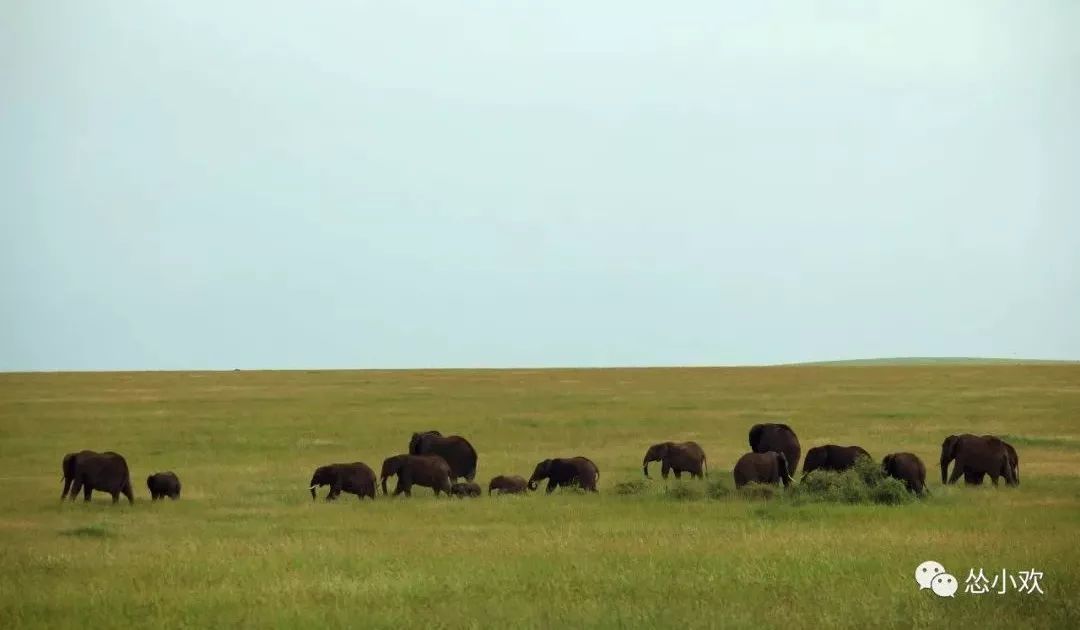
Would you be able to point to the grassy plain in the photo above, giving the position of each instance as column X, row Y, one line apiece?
column 246, row 546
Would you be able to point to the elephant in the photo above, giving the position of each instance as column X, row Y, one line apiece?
column 465, row 489
column 832, row 457
column 355, row 478
column 163, row 484
column 430, row 471
column 67, row 469
column 776, row 437
column 771, row 468
column 976, row 456
column 88, row 471
column 579, row 471
column 504, row 484
column 906, row 467
column 456, row 450
column 678, row 457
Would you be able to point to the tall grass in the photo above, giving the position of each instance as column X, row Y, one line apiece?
column 247, row 547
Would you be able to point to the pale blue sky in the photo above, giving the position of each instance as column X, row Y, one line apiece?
column 429, row 184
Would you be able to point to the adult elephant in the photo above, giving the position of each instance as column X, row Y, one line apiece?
column 771, row 468
column 976, row 456
column 355, row 478
column 776, row 437
column 677, row 457
column 87, row 471
column 68, row 466
column 430, row 471
column 832, row 457
column 570, row 471
column 456, row 450
column 906, row 467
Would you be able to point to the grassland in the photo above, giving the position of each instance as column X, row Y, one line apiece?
column 246, row 546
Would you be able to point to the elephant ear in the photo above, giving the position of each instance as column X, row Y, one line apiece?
column 949, row 446
column 755, row 436
column 887, row 463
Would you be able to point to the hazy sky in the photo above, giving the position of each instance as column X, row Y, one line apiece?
column 419, row 184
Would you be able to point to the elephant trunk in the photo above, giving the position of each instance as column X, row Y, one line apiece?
column 384, row 491
column 531, row 485
column 945, row 468
column 645, row 468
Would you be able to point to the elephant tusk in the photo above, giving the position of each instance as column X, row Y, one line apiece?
column 313, row 487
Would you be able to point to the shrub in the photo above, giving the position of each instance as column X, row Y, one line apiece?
column 717, row 489
column 863, row 483
column 629, row 488
column 684, row 491
column 758, row 491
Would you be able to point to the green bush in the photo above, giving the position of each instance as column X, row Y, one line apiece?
column 863, row 483
column 758, row 491
column 681, row 491
column 718, row 489
column 630, row 488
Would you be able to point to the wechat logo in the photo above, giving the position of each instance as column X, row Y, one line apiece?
column 932, row 575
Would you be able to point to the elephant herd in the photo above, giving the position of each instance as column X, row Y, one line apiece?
column 775, row 453
column 436, row 461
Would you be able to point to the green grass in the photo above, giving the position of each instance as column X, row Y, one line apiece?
column 246, row 546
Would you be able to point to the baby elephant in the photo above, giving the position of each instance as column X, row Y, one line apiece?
column 832, row 457
column 504, row 484
column 465, row 489
column 771, row 468
column 906, row 467
column 163, row 484
column 355, row 478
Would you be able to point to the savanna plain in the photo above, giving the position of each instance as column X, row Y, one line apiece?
column 246, row 545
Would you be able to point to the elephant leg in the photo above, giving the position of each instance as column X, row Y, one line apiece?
column 665, row 469
column 551, row 486
column 678, row 473
column 115, row 497
column 957, row 471
column 87, row 491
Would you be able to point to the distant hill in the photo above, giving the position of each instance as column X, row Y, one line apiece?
column 898, row 361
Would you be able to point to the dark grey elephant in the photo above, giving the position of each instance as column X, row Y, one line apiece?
column 906, row 467
column 832, row 457
column 976, row 456
column 776, row 437
column 771, row 468
column 465, row 489
column 570, row 471
column 677, row 457
column 508, row 484
column 163, row 484
column 456, row 450
column 355, row 478
column 87, row 471
column 430, row 471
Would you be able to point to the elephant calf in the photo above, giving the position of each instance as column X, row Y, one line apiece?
column 572, row 471
column 832, row 457
column 465, row 489
column 906, row 467
column 430, row 471
column 163, row 484
column 504, row 484
column 356, row 478
column 677, row 457
column 770, row 468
